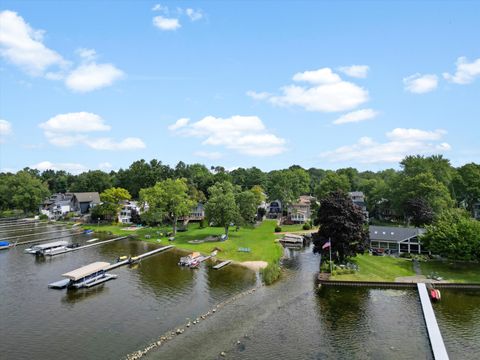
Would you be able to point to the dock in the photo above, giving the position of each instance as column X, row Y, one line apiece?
column 87, row 246
column 46, row 239
column 434, row 335
column 34, row 234
column 292, row 239
column 139, row 257
column 222, row 264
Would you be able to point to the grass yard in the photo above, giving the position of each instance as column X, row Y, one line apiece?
column 378, row 268
column 261, row 240
column 453, row 272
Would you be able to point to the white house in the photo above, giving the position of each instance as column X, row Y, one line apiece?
column 125, row 214
column 301, row 212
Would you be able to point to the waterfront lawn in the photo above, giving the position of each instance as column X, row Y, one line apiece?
column 378, row 268
column 453, row 272
column 260, row 239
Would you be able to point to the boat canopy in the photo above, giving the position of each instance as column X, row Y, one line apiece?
column 84, row 271
column 50, row 245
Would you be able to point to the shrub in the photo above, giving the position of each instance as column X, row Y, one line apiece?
column 43, row 217
column 270, row 274
column 306, row 226
column 278, row 229
column 203, row 224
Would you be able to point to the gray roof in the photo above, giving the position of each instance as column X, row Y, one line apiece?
column 391, row 233
column 88, row 197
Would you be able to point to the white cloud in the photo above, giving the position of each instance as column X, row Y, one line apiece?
column 401, row 142
column 71, row 129
column 167, row 24
column 356, row 116
column 244, row 134
column 179, row 124
column 87, row 54
column 420, row 84
column 356, row 71
column 465, row 73
column 158, row 7
column 258, row 95
column 5, row 129
column 320, row 76
column 92, row 76
column 23, row 46
column 130, row 143
column 105, row 166
column 327, row 93
column 75, row 122
column 212, row 155
column 73, row 168
column 194, row 15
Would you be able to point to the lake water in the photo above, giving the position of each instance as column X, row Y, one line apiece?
column 288, row 320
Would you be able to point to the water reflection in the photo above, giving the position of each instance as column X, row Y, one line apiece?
column 73, row 296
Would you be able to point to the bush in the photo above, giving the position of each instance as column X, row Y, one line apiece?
column 43, row 217
column 306, row 226
column 203, row 224
column 270, row 274
column 278, row 229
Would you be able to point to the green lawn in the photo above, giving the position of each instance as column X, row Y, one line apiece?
column 378, row 268
column 453, row 272
column 261, row 240
column 292, row 228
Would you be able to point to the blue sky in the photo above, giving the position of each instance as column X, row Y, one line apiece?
column 98, row 84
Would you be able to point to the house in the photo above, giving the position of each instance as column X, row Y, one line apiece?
column 196, row 214
column 84, row 201
column 396, row 239
column 300, row 212
column 57, row 206
column 476, row 211
column 358, row 199
column 274, row 209
column 128, row 208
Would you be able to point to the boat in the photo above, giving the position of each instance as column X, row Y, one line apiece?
column 187, row 260
column 88, row 231
column 48, row 249
column 433, row 293
column 5, row 245
column 89, row 275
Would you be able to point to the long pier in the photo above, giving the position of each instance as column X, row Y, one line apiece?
column 434, row 335
column 47, row 239
column 138, row 257
column 88, row 246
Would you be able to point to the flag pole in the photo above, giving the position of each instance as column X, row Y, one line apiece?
column 330, row 250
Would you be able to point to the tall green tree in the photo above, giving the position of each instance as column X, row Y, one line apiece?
column 171, row 198
column 287, row 185
column 247, row 206
column 27, row 191
column 342, row 223
column 221, row 207
column 454, row 235
column 332, row 182
column 467, row 184
column 92, row 181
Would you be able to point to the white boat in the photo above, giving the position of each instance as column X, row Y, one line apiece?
column 189, row 259
column 44, row 249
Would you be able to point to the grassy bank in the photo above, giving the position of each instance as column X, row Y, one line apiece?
column 260, row 240
column 378, row 268
column 453, row 272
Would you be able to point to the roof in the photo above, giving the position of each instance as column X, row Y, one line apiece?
column 86, row 270
column 50, row 245
column 356, row 193
column 391, row 233
column 88, row 197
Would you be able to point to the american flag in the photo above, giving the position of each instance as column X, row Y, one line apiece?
column 326, row 245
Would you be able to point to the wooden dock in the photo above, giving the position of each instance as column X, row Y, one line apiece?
column 434, row 335
column 87, row 246
column 222, row 264
column 138, row 258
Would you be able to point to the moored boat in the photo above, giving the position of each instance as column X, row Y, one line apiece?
column 189, row 259
column 47, row 249
column 89, row 275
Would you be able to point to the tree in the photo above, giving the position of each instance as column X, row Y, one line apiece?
column 221, row 207
column 91, row 181
column 259, row 194
column 332, row 182
column 170, row 198
column 419, row 211
column 454, row 235
column 341, row 222
column 27, row 191
column 287, row 185
column 106, row 211
column 467, row 184
column 436, row 165
column 115, row 195
column 247, row 206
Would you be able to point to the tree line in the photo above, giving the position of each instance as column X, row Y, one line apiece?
column 421, row 188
